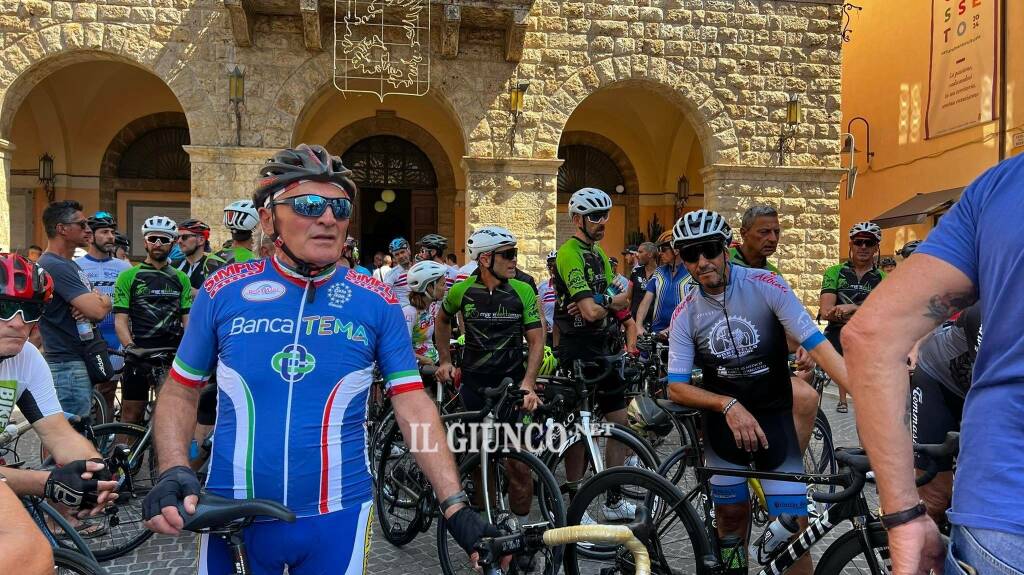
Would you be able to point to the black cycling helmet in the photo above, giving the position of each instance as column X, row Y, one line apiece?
column 121, row 241
column 433, row 242
column 887, row 261
column 303, row 162
column 101, row 220
column 909, row 248
column 291, row 166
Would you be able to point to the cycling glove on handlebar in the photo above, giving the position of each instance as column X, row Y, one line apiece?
column 66, row 486
column 467, row 527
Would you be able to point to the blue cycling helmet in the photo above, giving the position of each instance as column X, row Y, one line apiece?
column 398, row 244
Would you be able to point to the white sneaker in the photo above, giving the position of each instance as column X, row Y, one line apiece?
column 619, row 511
column 587, row 519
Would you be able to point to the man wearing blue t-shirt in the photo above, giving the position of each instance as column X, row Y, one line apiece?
column 975, row 252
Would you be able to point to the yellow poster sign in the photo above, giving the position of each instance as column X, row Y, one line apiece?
column 963, row 65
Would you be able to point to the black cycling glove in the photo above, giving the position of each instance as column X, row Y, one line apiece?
column 467, row 527
column 171, row 488
column 66, row 486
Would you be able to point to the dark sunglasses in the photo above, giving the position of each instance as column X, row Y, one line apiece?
column 509, row 254
column 665, row 248
column 30, row 311
column 865, row 243
column 82, row 224
column 314, row 206
column 186, row 237
column 158, row 240
column 597, row 217
column 710, row 251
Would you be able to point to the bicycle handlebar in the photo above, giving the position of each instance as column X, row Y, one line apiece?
column 606, row 369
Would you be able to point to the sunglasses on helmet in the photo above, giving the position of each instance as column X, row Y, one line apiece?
column 30, row 311
column 710, row 250
column 314, row 206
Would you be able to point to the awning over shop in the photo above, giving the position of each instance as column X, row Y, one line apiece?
column 918, row 208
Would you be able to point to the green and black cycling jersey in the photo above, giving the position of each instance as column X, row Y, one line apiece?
column 841, row 279
column 200, row 270
column 495, row 322
column 582, row 271
column 236, row 255
column 155, row 300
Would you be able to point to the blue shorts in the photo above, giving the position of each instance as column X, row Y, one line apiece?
column 73, row 385
column 782, row 455
column 333, row 544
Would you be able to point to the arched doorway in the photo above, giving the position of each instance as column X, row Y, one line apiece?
column 398, row 191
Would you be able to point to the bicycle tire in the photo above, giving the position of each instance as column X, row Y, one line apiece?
column 130, row 532
column 647, row 458
column 98, row 410
column 849, row 546
column 822, row 445
column 397, row 530
column 551, row 508
column 68, row 561
column 663, row 499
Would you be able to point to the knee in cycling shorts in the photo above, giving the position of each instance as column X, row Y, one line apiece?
column 206, row 414
column 832, row 335
column 782, row 455
column 334, row 544
column 934, row 411
column 135, row 382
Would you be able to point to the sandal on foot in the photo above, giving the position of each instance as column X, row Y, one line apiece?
column 842, row 407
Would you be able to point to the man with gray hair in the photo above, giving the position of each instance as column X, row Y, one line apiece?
column 760, row 231
column 647, row 263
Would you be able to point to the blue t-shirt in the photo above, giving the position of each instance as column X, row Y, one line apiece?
column 103, row 275
column 982, row 236
column 668, row 287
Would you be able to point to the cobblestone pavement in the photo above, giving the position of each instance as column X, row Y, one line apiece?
column 162, row 555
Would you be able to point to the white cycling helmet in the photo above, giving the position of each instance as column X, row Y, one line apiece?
column 488, row 239
column 700, row 226
column 552, row 256
column 241, row 216
column 589, row 200
column 423, row 274
column 867, row 228
column 160, row 225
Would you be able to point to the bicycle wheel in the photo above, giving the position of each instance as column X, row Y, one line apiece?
column 677, row 544
column 124, row 521
column 847, row 553
column 545, row 507
column 98, row 411
column 678, row 469
column 70, row 562
column 820, row 457
column 638, row 455
column 399, row 488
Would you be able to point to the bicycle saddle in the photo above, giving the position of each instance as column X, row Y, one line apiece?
column 142, row 353
column 215, row 511
column 676, row 409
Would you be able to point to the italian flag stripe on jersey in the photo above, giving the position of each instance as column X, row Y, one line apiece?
column 403, row 381
column 186, row 375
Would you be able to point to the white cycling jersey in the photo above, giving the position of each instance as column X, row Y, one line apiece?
column 25, row 382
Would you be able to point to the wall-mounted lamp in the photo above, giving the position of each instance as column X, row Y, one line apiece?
column 516, row 101
column 867, row 138
column 793, row 112
column 46, row 175
column 236, row 96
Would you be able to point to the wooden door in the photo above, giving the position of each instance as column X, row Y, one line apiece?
column 424, row 214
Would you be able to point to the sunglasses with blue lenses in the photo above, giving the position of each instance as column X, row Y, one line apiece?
column 30, row 311
column 314, row 206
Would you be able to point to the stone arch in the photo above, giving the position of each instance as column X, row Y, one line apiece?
column 698, row 102
column 389, row 124
column 42, row 52
column 631, row 199
column 110, row 179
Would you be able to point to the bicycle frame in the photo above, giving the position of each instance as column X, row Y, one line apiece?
column 40, row 510
column 855, row 510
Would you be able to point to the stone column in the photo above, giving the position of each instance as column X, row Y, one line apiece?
column 221, row 175
column 519, row 194
column 6, row 151
column 808, row 204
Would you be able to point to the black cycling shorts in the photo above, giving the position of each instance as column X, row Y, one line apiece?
column 473, row 384
column 934, row 410
column 832, row 335
column 136, row 381
column 207, row 412
column 610, row 395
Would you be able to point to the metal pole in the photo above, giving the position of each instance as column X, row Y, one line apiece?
column 1002, row 80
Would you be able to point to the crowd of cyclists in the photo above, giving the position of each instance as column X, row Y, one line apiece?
column 279, row 345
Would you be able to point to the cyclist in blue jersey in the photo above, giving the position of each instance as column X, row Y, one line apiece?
column 733, row 324
column 294, row 341
column 665, row 288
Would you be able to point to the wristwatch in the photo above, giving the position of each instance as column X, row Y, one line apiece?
column 890, row 520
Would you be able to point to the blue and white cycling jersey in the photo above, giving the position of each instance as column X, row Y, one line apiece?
column 103, row 275
column 294, row 372
column 739, row 340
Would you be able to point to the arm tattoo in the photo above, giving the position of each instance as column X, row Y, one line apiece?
column 940, row 307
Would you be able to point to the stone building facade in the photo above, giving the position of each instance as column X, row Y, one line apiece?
column 727, row 68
